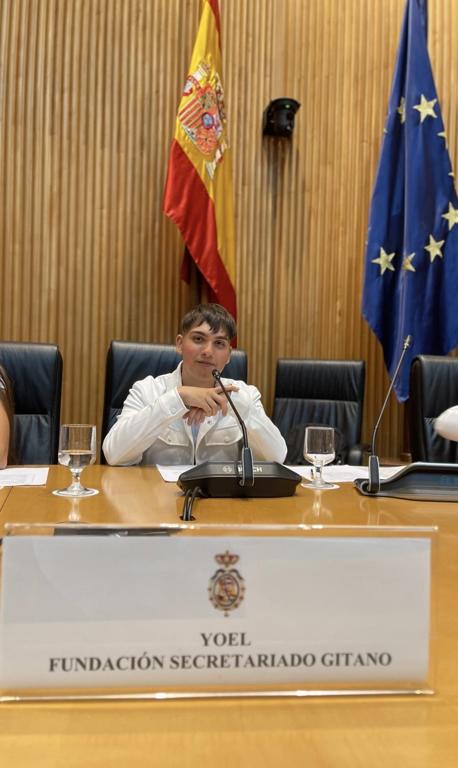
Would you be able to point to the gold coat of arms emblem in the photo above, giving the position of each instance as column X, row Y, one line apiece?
column 226, row 589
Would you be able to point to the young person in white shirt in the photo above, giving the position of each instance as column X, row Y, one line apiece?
column 183, row 417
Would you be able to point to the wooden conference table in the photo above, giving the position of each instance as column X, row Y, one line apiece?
column 345, row 731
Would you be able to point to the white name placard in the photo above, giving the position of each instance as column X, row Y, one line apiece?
column 107, row 611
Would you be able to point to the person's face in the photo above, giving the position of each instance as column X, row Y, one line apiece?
column 203, row 350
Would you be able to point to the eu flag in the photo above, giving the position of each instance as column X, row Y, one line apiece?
column 411, row 263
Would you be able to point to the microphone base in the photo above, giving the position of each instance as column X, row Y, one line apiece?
column 222, row 480
column 374, row 474
column 420, row 481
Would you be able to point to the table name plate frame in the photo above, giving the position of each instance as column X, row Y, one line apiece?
column 228, row 636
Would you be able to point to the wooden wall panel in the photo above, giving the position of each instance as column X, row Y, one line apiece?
column 88, row 97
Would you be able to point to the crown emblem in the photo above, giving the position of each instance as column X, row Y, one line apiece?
column 227, row 559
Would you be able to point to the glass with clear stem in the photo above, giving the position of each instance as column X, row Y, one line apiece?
column 319, row 450
column 77, row 449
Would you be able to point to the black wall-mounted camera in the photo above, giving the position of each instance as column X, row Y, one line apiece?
column 278, row 117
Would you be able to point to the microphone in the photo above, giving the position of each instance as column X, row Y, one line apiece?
column 420, row 481
column 247, row 456
column 373, row 485
column 223, row 479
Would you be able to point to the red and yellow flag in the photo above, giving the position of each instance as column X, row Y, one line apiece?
column 198, row 192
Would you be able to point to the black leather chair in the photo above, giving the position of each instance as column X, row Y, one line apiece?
column 433, row 389
column 327, row 392
column 35, row 371
column 128, row 362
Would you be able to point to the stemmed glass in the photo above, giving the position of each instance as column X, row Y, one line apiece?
column 77, row 449
column 319, row 449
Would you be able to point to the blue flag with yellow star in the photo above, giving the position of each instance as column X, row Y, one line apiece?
column 411, row 263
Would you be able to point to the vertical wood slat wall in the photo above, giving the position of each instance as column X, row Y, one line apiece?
column 88, row 97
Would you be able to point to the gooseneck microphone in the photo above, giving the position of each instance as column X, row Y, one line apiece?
column 235, row 479
column 247, row 478
column 374, row 465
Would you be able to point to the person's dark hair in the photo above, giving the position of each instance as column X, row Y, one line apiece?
column 6, row 398
column 215, row 315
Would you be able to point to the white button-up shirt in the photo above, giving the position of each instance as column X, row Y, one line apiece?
column 151, row 428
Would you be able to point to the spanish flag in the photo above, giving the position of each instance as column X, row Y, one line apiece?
column 198, row 191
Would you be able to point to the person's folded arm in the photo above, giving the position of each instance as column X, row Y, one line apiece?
column 143, row 418
column 265, row 439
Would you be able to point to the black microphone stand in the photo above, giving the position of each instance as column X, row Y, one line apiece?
column 247, row 478
column 374, row 464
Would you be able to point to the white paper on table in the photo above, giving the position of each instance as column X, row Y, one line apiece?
column 344, row 473
column 24, row 476
column 171, row 473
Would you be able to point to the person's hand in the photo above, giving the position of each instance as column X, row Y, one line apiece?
column 207, row 400
column 194, row 416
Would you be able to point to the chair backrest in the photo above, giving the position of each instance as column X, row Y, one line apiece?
column 35, row 371
column 129, row 361
column 329, row 392
column 433, row 389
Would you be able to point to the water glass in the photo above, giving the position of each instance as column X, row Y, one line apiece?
column 77, row 449
column 319, row 450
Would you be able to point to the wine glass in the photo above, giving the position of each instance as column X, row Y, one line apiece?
column 77, row 449
column 319, row 449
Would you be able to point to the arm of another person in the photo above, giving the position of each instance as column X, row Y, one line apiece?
column 265, row 439
column 446, row 425
column 4, row 435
